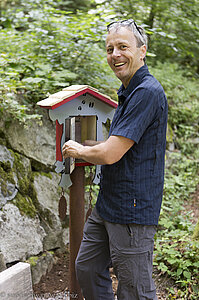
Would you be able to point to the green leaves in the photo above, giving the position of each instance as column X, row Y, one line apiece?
column 32, row 80
column 64, row 74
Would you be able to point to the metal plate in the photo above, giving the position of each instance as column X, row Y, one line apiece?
column 62, row 207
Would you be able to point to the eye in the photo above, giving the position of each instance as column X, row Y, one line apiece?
column 109, row 50
column 123, row 47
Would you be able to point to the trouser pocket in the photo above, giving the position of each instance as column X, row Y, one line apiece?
column 134, row 273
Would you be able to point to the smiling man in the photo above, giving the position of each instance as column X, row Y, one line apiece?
column 123, row 55
column 120, row 231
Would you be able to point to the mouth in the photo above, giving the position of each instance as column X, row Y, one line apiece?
column 117, row 65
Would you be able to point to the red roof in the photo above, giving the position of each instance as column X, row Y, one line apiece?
column 72, row 92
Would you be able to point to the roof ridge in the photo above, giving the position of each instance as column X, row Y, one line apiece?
column 79, row 87
column 71, row 91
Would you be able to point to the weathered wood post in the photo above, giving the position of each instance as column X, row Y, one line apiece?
column 76, row 222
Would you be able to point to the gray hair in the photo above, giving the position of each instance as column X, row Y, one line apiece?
column 138, row 31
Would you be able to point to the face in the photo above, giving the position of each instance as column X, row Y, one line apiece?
column 123, row 56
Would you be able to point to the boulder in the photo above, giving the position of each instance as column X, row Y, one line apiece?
column 48, row 194
column 20, row 236
column 2, row 263
column 37, row 141
column 40, row 265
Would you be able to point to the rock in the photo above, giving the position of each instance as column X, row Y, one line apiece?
column 65, row 236
column 40, row 265
column 5, row 155
column 36, row 141
column 20, row 236
column 2, row 263
column 7, row 179
column 48, row 195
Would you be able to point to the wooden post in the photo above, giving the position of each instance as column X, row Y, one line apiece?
column 76, row 223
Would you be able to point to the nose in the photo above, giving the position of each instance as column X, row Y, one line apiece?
column 116, row 52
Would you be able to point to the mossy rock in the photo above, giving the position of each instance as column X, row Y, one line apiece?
column 6, row 175
column 22, row 165
column 25, row 205
column 48, row 174
column 32, row 260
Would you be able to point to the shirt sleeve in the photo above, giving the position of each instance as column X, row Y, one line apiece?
column 139, row 113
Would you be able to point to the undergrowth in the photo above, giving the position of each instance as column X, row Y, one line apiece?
column 176, row 254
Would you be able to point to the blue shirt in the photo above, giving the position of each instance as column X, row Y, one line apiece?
column 131, row 189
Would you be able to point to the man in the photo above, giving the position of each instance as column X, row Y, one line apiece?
column 121, row 228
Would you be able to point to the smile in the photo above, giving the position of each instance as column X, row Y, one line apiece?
column 119, row 64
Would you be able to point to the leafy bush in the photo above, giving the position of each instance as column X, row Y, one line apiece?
column 183, row 99
column 175, row 252
column 44, row 49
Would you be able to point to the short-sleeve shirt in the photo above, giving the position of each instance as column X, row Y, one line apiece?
column 131, row 189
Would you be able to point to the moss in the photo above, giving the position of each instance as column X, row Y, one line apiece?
column 6, row 175
column 32, row 260
column 18, row 165
column 3, row 140
column 23, row 185
column 48, row 175
column 25, row 205
column 2, row 134
column 24, row 176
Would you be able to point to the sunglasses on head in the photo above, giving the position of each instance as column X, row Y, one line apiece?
column 124, row 22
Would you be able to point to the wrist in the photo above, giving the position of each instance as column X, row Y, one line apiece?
column 81, row 152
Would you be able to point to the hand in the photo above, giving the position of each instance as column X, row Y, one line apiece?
column 72, row 149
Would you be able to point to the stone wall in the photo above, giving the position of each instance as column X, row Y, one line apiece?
column 29, row 195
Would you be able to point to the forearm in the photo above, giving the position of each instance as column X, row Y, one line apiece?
column 104, row 153
column 92, row 143
column 94, row 154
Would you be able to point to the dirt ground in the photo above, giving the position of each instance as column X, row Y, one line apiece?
column 57, row 280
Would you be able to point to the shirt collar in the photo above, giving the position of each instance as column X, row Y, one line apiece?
column 134, row 82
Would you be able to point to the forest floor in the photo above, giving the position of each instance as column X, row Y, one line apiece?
column 56, row 282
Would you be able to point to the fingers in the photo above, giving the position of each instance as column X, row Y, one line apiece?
column 65, row 149
column 71, row 149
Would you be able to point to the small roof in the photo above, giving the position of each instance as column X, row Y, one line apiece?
column 71, row 92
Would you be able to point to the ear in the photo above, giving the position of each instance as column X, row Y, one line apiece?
column 142, row 51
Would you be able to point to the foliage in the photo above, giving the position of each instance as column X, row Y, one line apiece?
column 44, row 49
column 183, row 99
column 172, row 27
column 175, row 252
column 196, row 231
